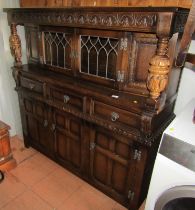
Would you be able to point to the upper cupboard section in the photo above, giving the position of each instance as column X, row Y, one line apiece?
column 112, row 58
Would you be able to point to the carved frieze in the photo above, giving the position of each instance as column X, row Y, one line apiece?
column 122, row 18
column 145, row 21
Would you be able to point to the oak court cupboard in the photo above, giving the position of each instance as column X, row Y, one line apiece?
column 99, row 89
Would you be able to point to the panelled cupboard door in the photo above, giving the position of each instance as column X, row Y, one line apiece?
column 101, row 56
column 39, row 127
column 111, row 163
column 68, row 138
column 31, row 123
column 45, row 128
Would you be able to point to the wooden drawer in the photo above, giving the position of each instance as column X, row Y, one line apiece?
column 116, row 115
column 31, row 84
column 67, row 98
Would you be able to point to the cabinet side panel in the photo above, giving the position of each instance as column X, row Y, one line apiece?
column 32, row 43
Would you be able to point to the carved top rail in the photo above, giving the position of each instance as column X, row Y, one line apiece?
column 122, row 18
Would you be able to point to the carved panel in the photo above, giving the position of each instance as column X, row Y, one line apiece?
column 142, row 48
column 32, row 43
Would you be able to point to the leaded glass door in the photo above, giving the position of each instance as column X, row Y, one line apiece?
column 57, row 48
column 100, row 55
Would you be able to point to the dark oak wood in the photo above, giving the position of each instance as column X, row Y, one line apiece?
column 7, row 162
column 99, row 89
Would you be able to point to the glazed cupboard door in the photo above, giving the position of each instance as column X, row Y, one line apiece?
column 57, row 47
column 101, row 56
column 68, row 140
column 112, row 165
column 38, row 127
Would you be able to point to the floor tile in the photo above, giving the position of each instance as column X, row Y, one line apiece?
column 19, row 151
column 27, row 201
column 57, row 187
column 34, row 169
column 10, row 188
column 119, row 207
column 87, row 199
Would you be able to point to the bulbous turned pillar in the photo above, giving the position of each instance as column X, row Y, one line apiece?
column 15, row 45
column 159, row 69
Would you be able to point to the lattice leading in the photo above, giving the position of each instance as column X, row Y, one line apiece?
column 57, row 49
column 99, row 56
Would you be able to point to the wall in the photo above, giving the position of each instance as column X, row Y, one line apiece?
column 187, row 85
column 9, row 108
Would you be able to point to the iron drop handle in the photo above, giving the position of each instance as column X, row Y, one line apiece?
column 114, row 116
column 66, row 99
column 45, row 123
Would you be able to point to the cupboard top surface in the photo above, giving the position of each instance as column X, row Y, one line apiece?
column 103, row 9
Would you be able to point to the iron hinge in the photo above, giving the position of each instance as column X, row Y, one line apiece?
column 120, row 76
column 131, row 195
column 74, row 54
column 92, row 145
column 53, row 127
column 137, row 155
column 41, row 60
column 123, row 45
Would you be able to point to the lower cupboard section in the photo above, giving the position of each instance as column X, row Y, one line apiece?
column 112, row 163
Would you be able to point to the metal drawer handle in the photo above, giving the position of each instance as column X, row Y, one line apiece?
column 114, row 116
column 66, row 99
column 45, row 123
column 31, row 86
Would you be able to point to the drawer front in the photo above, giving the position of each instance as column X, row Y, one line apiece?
column 116, row 115
column 31, row 84
column 67, row 98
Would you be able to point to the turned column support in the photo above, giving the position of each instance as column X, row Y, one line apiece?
column 159, row 69
column 160, row 63
column 15, row 45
